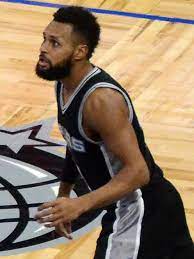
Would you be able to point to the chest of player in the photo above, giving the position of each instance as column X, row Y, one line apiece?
column 87, row 156
column 69, row 127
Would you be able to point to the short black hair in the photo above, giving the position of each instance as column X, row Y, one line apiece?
column 84, row 23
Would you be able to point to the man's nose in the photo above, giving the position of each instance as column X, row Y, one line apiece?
column 44, row 47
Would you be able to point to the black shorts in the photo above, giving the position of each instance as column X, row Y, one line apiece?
column 153, row 227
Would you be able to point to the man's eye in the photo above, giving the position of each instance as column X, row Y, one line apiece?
column 55, row 43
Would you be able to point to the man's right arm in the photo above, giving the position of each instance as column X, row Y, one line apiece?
column 68, row 178
column 70, row 172
column 65, row 189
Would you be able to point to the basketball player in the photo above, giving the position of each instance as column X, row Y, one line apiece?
column 145, row 218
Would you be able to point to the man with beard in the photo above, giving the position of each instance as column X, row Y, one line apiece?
column 145, row 218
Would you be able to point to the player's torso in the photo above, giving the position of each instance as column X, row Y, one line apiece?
column 96, row 164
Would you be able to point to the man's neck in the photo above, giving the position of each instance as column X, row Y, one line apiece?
column 77, row 74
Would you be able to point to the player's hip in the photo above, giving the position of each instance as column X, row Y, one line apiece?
column 150, row 226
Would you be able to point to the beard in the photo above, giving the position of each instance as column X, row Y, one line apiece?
column 54, row 73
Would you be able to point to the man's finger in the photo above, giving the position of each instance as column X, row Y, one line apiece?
column 59, row 232
column 54, row 223
column 47, row 205
column 66, row 230
column 50, row 218
column 45, row 213
column 67, row 235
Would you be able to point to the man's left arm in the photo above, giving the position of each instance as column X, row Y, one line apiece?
column 111, row 121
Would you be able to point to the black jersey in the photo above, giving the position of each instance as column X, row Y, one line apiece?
column 95, row 163
column 143, row 224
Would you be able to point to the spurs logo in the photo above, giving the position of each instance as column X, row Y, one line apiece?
column 72, row 142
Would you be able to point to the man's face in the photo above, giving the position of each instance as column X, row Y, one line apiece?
column 56, row 52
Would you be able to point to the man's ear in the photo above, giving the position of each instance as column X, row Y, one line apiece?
column 80, row 52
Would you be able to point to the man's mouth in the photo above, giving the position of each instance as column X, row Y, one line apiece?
column 43, row 62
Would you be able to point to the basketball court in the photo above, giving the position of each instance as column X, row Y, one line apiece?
column 148, row 46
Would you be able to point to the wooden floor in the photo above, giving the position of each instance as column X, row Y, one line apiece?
column 153, row 60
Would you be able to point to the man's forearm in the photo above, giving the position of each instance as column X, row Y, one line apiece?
column 64, row 189
column 119, row 186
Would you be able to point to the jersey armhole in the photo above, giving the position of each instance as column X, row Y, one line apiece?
column 80, row 114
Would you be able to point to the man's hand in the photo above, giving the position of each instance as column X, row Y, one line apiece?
column 62, row 210
column 64, row 230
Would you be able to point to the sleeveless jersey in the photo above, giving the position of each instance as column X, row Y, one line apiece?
column 94, row 162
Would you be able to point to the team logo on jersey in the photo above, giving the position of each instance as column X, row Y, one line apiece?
column 72, row 142
column 30, row 167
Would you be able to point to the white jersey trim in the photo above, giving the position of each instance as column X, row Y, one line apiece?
column 140, row 204
column 115, row 226
column 110, row 169
column 139, row 225
column 63, row 106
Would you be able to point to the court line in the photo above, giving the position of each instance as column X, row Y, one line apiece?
column 105, row 11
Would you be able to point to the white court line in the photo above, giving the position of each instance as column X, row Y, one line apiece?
column 26, row 168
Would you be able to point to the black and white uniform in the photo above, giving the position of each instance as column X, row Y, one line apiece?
column 148, row 223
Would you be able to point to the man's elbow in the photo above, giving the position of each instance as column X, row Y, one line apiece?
column 143, row 175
